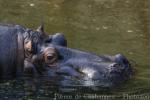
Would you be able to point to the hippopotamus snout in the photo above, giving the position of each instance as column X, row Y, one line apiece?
column 115, row 68
column 119, row 62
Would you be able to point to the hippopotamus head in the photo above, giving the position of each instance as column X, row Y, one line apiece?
column 75, row 66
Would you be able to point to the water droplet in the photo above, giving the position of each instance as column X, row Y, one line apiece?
column 129, row 31
column 105, row 27
column 32, row 4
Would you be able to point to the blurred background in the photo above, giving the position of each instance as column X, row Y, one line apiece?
column 100, row 26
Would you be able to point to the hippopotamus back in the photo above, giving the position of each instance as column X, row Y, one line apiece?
column 9, row 36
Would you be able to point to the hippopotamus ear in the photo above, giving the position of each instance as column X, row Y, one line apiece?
column 41, row 29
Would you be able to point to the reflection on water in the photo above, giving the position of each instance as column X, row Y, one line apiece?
column 101, row 26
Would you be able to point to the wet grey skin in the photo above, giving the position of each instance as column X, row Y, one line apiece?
column 88, row 69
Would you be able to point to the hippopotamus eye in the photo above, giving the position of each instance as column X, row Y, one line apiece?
column 49, row 57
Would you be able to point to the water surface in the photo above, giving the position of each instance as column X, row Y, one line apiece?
column 100, row 26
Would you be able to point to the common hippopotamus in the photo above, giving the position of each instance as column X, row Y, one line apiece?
column 17, row 46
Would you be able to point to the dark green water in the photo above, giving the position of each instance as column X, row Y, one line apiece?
column 100, row 26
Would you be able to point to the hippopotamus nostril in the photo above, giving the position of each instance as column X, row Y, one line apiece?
column 115, row 65
column 115, row 68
